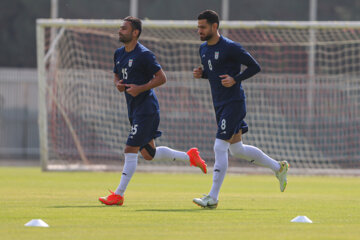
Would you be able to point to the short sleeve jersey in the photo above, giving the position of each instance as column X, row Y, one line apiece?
column 137, row 67
column 224, row 57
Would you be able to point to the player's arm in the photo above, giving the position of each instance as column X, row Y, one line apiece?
column 244, row 58
column 252, row 66
column 119, row 83
column 199, row 73
column 158, row 80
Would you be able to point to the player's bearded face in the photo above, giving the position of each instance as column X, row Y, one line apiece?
column 125, row 33
column 125, row 38
column 206, row 37
column 205, row 30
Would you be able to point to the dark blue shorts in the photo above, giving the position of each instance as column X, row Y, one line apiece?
column 230, row 119
column 144, row 128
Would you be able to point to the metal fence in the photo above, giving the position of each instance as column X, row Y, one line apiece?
column 19, row 137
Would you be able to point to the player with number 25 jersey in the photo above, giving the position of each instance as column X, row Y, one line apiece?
column 137, row 73
column 138, row 67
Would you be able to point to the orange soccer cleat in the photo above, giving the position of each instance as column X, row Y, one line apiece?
column 195, row 159
column 112, row 199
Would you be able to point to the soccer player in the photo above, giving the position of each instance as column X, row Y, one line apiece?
column 222, row 59
column 136, row 74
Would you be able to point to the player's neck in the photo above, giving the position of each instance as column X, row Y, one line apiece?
column 214, row 40
column 130, row 46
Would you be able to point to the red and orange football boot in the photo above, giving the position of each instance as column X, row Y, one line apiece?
column 112, row 199
column 195, row 159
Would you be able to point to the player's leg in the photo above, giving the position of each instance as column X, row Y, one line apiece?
column 130, row 163
column 220, row 167
column 149, row 151
column 258, row 157
column 251, row 153
column 226, row 119
column 139, row 132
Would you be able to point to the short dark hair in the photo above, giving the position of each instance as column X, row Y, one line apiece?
column 135, row 23
column 210, row 16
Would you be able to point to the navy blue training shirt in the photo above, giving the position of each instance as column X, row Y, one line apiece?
column 137, row 67
column 226, row 57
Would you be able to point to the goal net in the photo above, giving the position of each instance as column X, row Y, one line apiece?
column 303, row 107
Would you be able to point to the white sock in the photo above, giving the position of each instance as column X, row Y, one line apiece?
column 129, row 169
column 221, row 164
column 253, row 154
column 165, row 153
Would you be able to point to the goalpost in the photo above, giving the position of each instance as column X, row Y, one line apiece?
column 303, row 107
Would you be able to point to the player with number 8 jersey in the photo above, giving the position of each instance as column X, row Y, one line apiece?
column 222, row 59
column 136, row 73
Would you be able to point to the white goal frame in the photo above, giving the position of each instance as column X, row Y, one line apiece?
column 61, row 24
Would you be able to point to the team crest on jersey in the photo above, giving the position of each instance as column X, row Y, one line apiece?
column 130, row 62
column 216, row 55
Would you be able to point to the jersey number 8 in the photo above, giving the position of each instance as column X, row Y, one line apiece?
column 223, row 124
column 210, row 66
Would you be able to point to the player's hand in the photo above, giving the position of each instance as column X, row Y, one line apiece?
column 227, row 81
column 133, row 89
column 120, row 85
column 197, row 72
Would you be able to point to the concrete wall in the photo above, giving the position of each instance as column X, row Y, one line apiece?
column 19, row 137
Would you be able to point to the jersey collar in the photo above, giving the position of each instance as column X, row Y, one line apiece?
column 216, row 44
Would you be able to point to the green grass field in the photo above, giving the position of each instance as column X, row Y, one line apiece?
column 159, row 206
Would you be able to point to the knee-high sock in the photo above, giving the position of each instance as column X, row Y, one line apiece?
column 253, row 154
column 165, row 153
column 128, row 171
column 221, row 164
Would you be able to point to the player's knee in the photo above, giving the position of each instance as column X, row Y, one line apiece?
column 148, row 152
column 221, row 166
column 221, row 161
column 221, row 145
column 237, row 149
column 146, row 156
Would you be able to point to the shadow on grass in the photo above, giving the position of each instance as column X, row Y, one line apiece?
column 81, row 206
column 168, row 210
column 188, row 210
column 201, row 209
column 171, row 210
